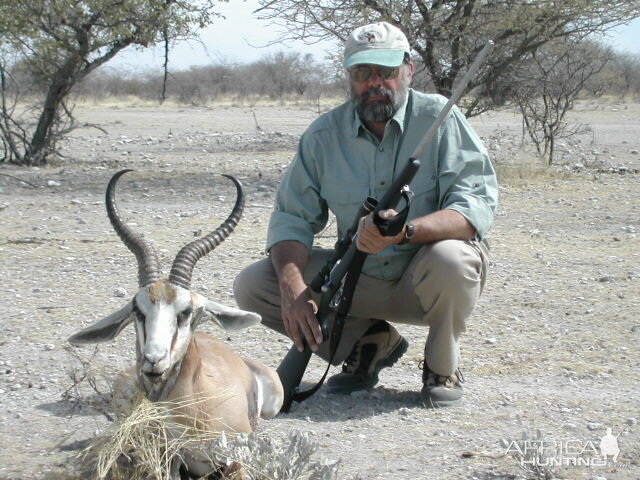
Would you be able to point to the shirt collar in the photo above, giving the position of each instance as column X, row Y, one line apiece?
column 398, row 118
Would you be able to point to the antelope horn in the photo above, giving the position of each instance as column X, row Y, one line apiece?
column 148, row 262
column 187, row 257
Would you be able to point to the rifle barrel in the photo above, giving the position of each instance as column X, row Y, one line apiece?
column 455, row 96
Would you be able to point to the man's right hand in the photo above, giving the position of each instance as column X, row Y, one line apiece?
column 289, row 259
column 299, row 316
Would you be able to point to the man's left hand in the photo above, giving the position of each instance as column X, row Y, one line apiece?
column 369, row 239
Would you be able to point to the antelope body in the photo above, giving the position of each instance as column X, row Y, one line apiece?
column 213, row 388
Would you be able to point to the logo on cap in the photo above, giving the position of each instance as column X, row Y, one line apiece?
column 367, row 36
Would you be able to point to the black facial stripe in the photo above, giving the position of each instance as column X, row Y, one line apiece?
column 137, row 311
column 141, row 318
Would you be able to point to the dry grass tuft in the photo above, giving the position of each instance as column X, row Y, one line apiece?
column 143, row 439
column 150, row 443
column 90, row 382
column 533, row 461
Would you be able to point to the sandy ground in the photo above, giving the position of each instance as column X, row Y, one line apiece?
column 553, row 345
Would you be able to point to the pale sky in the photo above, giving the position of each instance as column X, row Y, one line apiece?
column 241, row 38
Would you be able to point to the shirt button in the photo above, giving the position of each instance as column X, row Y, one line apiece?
column 381, row 149
column 382, row 182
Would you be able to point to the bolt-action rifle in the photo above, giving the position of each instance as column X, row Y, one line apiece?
column 337, row 280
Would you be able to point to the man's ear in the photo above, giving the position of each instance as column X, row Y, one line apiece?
column 229, row 318
column 105, row 329
column 411, row 72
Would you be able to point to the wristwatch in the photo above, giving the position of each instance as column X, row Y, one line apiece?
column 409, row 232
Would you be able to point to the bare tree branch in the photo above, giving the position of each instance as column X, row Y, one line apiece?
column 448, row 34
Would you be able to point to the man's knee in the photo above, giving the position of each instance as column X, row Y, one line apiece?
column 242, row 287
column 448, row 263
column 249, row 283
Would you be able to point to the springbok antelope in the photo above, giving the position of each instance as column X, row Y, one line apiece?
column 215, row 387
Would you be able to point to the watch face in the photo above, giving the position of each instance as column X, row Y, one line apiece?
column 410, row 230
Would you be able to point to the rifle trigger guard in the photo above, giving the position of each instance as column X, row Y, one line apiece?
column 392, row 227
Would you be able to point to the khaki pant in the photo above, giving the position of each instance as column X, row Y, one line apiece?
column 438, row 289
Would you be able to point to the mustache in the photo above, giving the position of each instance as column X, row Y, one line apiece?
column 376, row 92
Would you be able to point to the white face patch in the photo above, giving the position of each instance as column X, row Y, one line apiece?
column 163, row 332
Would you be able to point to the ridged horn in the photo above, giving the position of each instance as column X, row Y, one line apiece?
column 148, row 262
column 187, row 257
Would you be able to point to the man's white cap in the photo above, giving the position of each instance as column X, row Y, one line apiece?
column 378, row 44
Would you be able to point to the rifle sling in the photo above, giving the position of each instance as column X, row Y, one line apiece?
column 350, row 283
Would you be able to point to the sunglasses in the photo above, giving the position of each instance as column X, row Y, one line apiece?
column 362, row 73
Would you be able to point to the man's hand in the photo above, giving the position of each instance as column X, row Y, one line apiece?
column 299, row 316
column 289, row 259
column 369, row 238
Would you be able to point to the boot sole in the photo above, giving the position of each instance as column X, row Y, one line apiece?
column 389, row 361
column 428, row 403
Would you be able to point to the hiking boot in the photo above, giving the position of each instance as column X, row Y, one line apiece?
column 440, row 391
column 380, row 347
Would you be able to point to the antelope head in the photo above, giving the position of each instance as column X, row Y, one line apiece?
column 165, row 311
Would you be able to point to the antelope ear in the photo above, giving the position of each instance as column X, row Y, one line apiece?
column 105, row 329
column 230, row 318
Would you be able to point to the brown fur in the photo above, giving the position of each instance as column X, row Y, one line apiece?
column 221, row 384
column 162, row 290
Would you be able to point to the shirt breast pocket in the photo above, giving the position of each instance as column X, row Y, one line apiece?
column 344, row 202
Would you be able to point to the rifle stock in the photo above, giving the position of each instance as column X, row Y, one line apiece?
column 291, row 370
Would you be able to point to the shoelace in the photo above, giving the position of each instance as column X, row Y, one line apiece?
column 351, row 362
column 440, row 379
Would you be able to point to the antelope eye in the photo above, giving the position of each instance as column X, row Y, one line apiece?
column 184, row 315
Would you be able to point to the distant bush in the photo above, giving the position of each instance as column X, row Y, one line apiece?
column 293, row 76
column 277, row 76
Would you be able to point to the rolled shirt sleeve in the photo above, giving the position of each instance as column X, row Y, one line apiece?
column 299, row 211
column 466, row 178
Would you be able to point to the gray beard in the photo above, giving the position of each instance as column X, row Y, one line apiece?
column 382, row 110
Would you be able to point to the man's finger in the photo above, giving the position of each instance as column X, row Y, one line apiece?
column 294, row 333
column 286, row 326
column 387, row 214
column 315, row 329
column 360, row 244
column 299, row 344
column 308, row 335
column 314, row 305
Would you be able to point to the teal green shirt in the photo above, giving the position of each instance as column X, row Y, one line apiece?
column 339, row 163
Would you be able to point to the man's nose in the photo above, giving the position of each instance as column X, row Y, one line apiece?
column 375, row 80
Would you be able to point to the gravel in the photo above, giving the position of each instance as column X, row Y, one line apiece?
column 553, row 346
